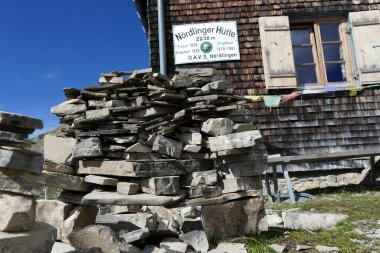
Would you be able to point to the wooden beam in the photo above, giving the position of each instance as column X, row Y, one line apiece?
column 322, row 157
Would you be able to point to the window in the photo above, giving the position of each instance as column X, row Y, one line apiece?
column 339, row 51
column 319, row 52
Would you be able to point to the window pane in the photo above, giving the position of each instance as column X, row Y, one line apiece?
column 333, row 52
column 335, row 72
column 300, row 37
column 306, row 75
column 329, row 32
column 303, row 55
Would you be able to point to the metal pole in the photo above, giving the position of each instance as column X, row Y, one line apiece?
column 161, row 35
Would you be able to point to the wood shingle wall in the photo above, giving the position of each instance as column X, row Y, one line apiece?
column 247, row 75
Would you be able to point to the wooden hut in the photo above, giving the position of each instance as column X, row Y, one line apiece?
column 322, row 57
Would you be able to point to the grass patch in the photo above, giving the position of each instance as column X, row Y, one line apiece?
column 364, row 205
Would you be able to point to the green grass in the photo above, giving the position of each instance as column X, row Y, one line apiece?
column 364, row 205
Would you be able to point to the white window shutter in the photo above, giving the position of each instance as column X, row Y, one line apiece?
column 277, row 52
column 365, row 27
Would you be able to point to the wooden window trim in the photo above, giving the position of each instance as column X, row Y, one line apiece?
column 316, row 42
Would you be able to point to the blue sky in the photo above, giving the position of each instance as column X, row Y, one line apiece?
column 47, row 45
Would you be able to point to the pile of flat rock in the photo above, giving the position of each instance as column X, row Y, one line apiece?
column 160, row 160
column 20, row 185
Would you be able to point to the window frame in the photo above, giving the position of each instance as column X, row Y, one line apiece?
column 316, row 41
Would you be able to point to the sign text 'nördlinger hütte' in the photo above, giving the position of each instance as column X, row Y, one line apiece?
column 206, row 42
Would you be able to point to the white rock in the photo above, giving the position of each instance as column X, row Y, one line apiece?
column 326, row 249
column 58, row 149
column 311, row 221
column 38, row 240
column 218, row 126
column 60, row 247
column 17, row 213
column 277, row 247
column 197, row 239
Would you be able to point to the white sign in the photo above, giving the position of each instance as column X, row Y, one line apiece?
column 206, row 42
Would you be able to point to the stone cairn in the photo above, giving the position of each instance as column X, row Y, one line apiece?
column 161, row 160
column 20, row 185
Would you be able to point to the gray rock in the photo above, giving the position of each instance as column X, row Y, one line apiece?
column 192, row 148
column 122, row 139
column 139, row 148
column 114, row 198
column 233, row 141
column 58, row 149
column 141, row 169
column 167, row 146
column 18, row 213
column 243, row 127
column 191, row 138
column 217, row 86
column 196, row 239
column 211, row 191
column 69, row 107
column 18, row 161
column 53, row 212
column 60, row 247
column 90, row 147
column 326, row 249
column 127, row 188
column 169, row 221
column 274, row 220
column 277, row 247
column 240, row 184
column 153, row 249
column 190, row 212
column 160, row 185
column 100, row 180
column 95, row 236
column 182, row 80
column 174, row 246
column 311, row 221
column 217, row 127
column 225, row 247
column 234, row 218
column 79, row 217
column 98, row 115
column 128, row 248
column 128, row 222
column 64, row 216
column 198, row 178
column 135, row 235
column 60, row 168
column 17, row 120
column 12, row 182
column 115, row 103
column 303, row 247
column 39, row 239
column 245, row 168
column 114, row 209
column 67, row 182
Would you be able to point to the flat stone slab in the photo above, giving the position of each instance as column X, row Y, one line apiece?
column 232, row 141
column 142, row 169
column 54, row 179
column 64, row 181
column 235, row 218
column 58, row 149
column 15, row 160
column 18, row 212
column 114, row 198
column 16, row 183
column 311, row 221
column 100, row 180
column 11, row 119
column 219, row 200
column 38, row 240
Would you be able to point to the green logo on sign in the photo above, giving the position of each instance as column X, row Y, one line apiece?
column 206, row 47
